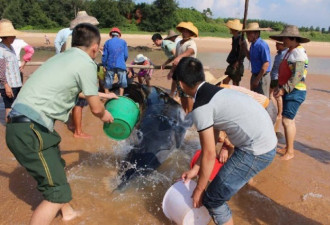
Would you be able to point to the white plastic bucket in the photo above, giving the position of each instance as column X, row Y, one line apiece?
column 178, row 205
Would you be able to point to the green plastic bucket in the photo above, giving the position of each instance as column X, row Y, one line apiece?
column 125, row 113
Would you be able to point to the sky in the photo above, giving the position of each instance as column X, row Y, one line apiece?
column 296, row 12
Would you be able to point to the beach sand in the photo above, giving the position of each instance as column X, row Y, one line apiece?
column 287, row 192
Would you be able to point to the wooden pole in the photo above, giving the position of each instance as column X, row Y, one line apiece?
column 128, row 66
column 245, row 16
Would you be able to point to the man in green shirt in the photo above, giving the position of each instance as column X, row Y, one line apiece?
column 49, row 95
column 167, row 46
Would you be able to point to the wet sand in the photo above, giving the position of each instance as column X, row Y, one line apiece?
column 287, row 192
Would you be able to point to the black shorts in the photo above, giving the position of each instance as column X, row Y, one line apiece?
column 235, row 74
column 9, row 101
column 81, row 102
column 273, row 84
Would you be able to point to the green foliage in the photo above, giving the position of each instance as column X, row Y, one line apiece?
column 159, row 16
column 107, row 13
column 186, row 14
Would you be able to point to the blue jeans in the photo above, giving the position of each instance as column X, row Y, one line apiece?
column 234, row 174
column 122, row 80
column 292, row 102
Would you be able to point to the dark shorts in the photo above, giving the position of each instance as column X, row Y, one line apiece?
column 235, row 74
column 37, row 150
column 9, row 101
column 82, row 102
column 292, row 102
column 273, row 84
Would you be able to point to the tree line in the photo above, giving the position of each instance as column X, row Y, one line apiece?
column 160, row 15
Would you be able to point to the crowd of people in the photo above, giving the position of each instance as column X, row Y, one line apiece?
column 221, row 112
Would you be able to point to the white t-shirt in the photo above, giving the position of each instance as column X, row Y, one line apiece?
column 17, row 45
column 188, row 44
column 244, row 120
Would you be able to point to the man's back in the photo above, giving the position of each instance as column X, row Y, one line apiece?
column 115, row 53
column 245, row 121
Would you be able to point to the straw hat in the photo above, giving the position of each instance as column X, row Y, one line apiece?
column 7, row 29
column 83, row 17
column 234, row 24
column 290, row 31
column 253, row 27
column 189, row 26
column 170, row 34
column 140, row 58
column 211, row 79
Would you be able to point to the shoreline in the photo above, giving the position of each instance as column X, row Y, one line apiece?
column 205, row 44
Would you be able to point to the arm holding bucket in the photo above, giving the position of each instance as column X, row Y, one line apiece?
column 207, row 163
column 97, row 108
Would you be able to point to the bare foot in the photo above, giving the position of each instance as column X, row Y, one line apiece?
column 70, row 216
column 251, row 182
column 287, row 156
column 81, row 135
column 281, row 150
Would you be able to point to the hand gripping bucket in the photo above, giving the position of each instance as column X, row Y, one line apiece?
column 125, row 113
column 178, row 205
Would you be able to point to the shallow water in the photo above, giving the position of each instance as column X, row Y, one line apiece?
column 214, row 60
column 143, row 196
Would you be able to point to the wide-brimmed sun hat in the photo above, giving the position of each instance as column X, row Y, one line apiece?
column 290, row 31
column 83, row 17
column 253, row 27
column 115, row 30
column 234, row 24
column 7, row 29
column 189, row 26
column 170, row 34
column 209, row 77
column 140, row 58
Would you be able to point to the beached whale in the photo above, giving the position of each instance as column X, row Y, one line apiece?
column 161, row 128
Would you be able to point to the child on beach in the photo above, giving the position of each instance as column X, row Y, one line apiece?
column 10, row 77
column 251, row 133
column 47, row 96
column 281, row 51
column 143, row 74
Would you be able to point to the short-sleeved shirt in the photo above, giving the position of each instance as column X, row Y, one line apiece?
column 168, row 47
column 244, row 120
column 12, row 72
column 188, row 44
column 259, row 54
column 52, row 90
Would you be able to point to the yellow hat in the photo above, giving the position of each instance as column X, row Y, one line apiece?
column 189, row 26
column 209, row 77
column 7, row 29
column 234, row 24
column 253, row 27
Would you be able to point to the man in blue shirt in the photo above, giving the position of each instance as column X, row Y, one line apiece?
column 115, row 54
column 259, row 56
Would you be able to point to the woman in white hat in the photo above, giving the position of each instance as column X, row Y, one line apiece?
column 235, row 59
column 185, row 48
column 10, row 78
column 291, row 80
column 145, row 74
